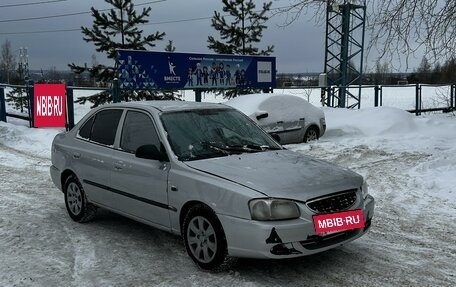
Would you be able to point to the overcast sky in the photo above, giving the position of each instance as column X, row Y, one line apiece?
column 299, row 47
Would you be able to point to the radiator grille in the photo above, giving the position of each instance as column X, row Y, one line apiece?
column 333, row 203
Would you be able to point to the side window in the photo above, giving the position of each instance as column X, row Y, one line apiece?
column 85, row 130
column 138, row 130
column 105, row 126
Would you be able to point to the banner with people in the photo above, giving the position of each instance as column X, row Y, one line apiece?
column 165, row 70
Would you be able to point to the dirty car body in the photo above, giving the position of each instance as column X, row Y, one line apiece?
column 291, row 118
column 208, row 173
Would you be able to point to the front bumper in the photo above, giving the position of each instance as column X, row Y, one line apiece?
column 288, row 238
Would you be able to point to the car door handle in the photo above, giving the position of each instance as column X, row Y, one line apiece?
column 118, row 165
column 280, row 122
column 76, row 155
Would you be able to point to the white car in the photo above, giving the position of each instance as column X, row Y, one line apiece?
column 288, row 118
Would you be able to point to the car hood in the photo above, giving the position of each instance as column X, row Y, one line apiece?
column 281, row 174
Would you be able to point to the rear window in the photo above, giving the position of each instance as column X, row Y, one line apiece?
column 102, row 127
column 86, row 129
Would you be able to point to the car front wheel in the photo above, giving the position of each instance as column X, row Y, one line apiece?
column 76, row 202
column 204, row 238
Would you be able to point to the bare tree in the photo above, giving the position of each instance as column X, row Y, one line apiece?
column 403, row 27
column 382, row 73
column 296, row 8
column 398, row 29
column 7, row 61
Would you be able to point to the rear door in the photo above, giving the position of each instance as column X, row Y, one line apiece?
column 139, row 185
column 284, row 118
column 92, row 153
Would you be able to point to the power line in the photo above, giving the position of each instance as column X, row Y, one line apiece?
column 40, row 32
column 78, row 29
column 43, row 17
column 29, row 4
column 67, row 14
column 150, row 23
column 179, row 21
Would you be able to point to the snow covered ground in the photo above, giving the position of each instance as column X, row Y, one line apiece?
column 409, row 162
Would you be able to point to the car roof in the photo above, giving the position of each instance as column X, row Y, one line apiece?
column 250, row 103
column 166, row 106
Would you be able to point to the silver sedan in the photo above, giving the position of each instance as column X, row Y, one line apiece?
column 209, row 173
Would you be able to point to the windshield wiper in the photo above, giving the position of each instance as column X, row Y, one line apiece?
column 238, row 149
column 250, row 148
column 223, row 150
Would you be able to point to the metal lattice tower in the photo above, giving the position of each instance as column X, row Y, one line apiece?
column 344, row 52
column 23, row 64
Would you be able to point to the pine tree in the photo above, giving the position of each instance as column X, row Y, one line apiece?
column 424, row 70
column 170, row 47
column 245, row 31
column 241, row 35
column 18, row 96
column 117, row 29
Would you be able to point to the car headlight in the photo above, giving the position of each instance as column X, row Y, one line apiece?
column 365, row 189
column 273, row 209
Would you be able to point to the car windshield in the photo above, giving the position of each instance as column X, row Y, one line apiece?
column 206, row 133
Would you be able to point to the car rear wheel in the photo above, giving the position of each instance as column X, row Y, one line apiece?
column 76, row 202
column 204, row 239
column 311, row 134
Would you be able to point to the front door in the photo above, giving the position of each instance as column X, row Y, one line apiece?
column 139, row 185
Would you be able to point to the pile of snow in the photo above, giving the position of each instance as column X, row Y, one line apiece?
column 36, row 142
column 369, row 122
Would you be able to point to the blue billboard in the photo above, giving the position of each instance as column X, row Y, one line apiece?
column 165, row 70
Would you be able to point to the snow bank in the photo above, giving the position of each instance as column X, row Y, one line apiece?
column 368, row 122
column 36, row 142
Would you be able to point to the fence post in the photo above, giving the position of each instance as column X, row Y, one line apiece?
column 197, row 95
column 418, row 99
column 115, row 91
column 2, row 105
column 381, row 96
column 329, row 96
column 31, row 102
column 376, row 90
column 452, row 96
column 70, row 106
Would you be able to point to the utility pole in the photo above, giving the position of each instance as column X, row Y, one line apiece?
column 344, row 51
column 23, row 64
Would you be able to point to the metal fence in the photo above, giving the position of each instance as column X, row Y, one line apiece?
column 29, row 102
column 416, row 98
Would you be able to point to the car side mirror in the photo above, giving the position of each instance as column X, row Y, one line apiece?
column 276, row 137
column 150, row 151
column 261, row 115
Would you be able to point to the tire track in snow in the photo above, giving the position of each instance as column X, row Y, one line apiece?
column 21, row 153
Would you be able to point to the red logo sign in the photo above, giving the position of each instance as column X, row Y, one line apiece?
column 340, row 221
column 49, row 105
